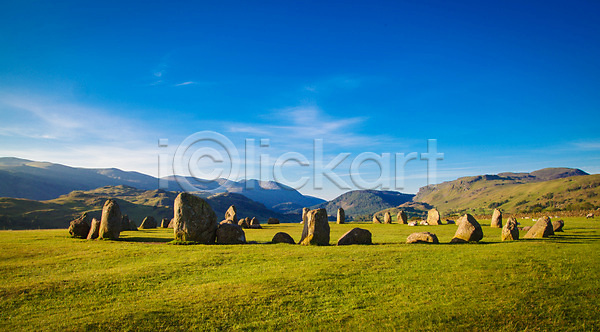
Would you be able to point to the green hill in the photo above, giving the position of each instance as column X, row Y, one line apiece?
column 364, row 202
column 515, row 194
column 16, row 213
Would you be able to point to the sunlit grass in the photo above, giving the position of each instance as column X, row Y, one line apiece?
column 53, row 282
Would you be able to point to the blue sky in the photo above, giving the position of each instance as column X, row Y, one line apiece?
column 504, row 86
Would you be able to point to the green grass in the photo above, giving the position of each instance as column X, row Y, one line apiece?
column 53, row 282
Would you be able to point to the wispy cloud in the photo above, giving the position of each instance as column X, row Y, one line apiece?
column 186, row 83
column 587, row 146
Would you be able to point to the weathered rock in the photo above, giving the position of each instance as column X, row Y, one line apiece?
column 422, row 237
column 94, row 229
column 194, row 220
column 171, row 223
column 254, row 223
column 125, row 223
column 341, row 216
column 231, row 214
column 165, row 223
column 304, row 214
column 402, row 218
column 542, row 228
column 229, row 233
column 132, row 225
column 557, row 225
column 433, row 217
column 376, row 220
column 496, row 219
column 273, row 221
column 468, row 230
column 110, row 224
column 510, row 231
column 282, row 237
column 227, row 221
column 148, row 223
column 80, row 227
column 355, row 236
column 316, row 228
column 387, row 218
column 244, row 223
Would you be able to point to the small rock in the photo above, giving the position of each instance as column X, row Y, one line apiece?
column 273, row 221
column 376, row 220
column 148, row 223
column 469, row 230
column 231, row 214
column 94, row 229
column 422, row 237
column 282, row 237
column 229, row 233
column 557, row 225
column 510, row 231
column 80, row 227
column 542, row 228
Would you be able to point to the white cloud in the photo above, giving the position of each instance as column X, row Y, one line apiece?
column 186, row 83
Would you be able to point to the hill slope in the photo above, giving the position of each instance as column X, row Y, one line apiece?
column 363, row 202
column 516, row 192
column 16, row 213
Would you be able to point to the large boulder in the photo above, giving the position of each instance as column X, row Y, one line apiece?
column 194, row 220
column 510, row 231
column 402, row 218
column 422, row 237
column 304, row 214
column 316, row 228
column 165, row 223
column 557, row 225
column 148, row 223
column 80, row 227
column 387, row 218
column 282, row 237
column 273, row 221
column 110, row 224
column 433, row 217
column 496, row 219
column 542, row 228
column 468, row 230
column 341, row 216
column 94, row 229
column 231, row 214
column 355, row 236
column 229, row 233
column 376, row 220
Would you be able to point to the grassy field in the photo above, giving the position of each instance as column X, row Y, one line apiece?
column 53, row 282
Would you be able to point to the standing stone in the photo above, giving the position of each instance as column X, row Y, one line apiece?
column 125, row 224
column 171, row 223
column 94, row 229
column 433, row 217
column 80, row 227
column 132, row 225
column 387, row 218
column 376, row 220
column 510, row 231
column 355, row 236
column 165, row 223
column 422, row 237
column 254, row 223
column 244, row 222
column 229, row 233
column 273, row 221
column 231, row 214
column 316, row 228
column 542, row 228
column 282, row 237
column 110, row 225
column 304, row 214
column 402, row 218
column 557, row 225
column 496, row 219
column 148, row 222
column 468, row 230
column 194, row 220
column 341, row 216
